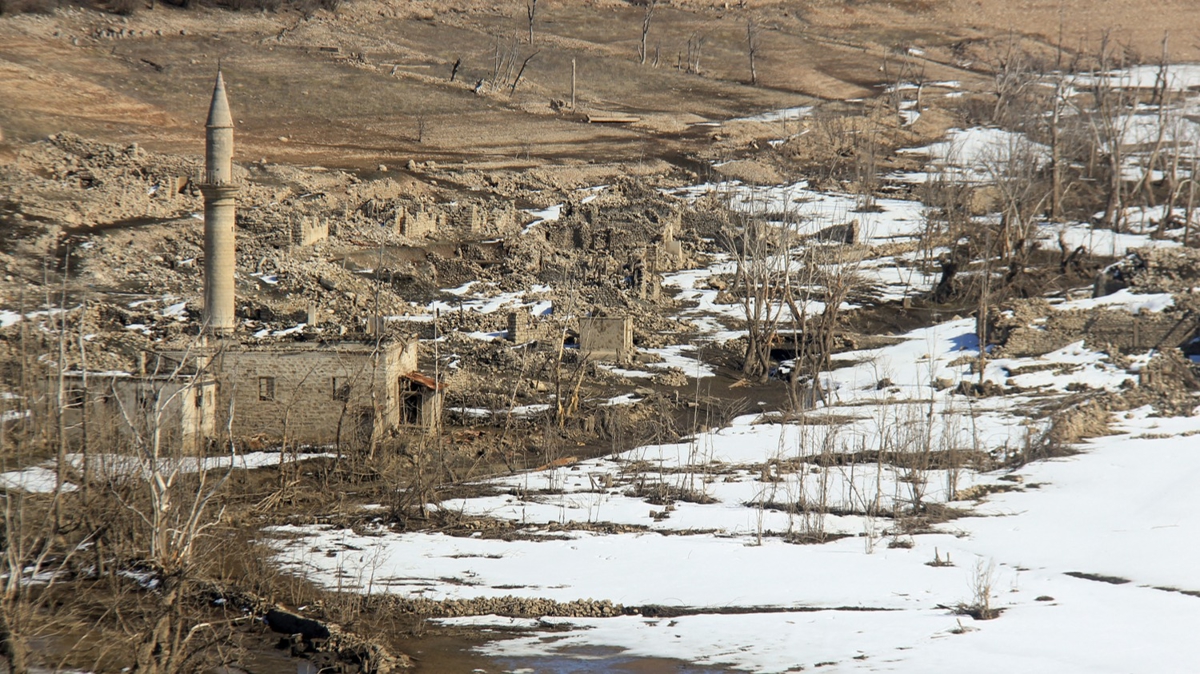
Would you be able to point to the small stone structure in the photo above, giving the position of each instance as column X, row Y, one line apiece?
column 171, row 186
column 1099, row 328
column 644, row 276
column 525, row 327
column 606, row 338
column 182, row 409
column 417, row 223
column 309, row 230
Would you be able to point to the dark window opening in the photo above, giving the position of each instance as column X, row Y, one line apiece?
column 341, row 389
column 410, row 409
column 75, row 397
column 266, row 388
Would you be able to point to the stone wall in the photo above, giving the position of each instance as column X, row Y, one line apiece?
column 1098, row 328
column 309, row 230
column 606, row 338
column 123, row 407
column 525, row 327
column 417, row 222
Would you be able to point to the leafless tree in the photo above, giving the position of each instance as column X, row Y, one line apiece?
column 651, row 5
column 178, row 493
column 695, row 46
column 1109, row 118
column 760, row 251
column 521, row 72
column 752, row 48
column 1013, row 71
column 531, row 13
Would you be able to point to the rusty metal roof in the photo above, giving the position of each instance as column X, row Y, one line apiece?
column 424, row 380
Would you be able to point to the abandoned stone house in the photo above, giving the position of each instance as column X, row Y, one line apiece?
column 315, row 392
column 140, row 410
column 606, row 338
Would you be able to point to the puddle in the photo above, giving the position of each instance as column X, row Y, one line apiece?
column 447, row 654
column 594, row 664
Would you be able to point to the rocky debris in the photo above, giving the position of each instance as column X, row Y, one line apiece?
column 328, row 645
column 1162, row 270
column 509, row 606
column 1033, row 327
column 673, row 377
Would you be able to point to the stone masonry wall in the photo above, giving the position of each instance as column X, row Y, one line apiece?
column 1099, row 329
column 308, row 230
column 314, row 395
column 606, row 338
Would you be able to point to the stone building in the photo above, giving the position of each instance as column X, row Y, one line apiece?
column 130, row 410
column 606, row 338
column 316, row 393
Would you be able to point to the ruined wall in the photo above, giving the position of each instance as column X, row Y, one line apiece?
column 417, row 222
column 1098, row 328
column 604, row 338
column 183, row 408
column 309, row 230
column 525, row 327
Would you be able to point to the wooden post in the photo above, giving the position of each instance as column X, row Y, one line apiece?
column 572, row 84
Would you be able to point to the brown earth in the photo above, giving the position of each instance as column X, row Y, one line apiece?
column 146, row 77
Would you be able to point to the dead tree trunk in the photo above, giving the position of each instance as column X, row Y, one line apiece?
column 752, row 48
column 521, row 72
column 531, row 12
column 650, row 6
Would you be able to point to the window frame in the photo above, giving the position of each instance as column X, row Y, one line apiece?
column 266, row 389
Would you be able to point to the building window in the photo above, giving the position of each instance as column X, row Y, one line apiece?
column 341, row 389
column 410, row 409
column 266, row 388
column 75, row 397
column 410, row 403
column 199, row 398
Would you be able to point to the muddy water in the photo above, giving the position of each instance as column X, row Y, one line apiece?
column 455, row 654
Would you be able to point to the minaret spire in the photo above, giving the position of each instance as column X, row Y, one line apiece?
column 219, row 190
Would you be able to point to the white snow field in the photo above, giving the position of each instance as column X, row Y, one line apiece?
column 1120, row 515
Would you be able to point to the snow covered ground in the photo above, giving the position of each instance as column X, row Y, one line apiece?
column 42, row 478
column 787, row 542
column 724, row 554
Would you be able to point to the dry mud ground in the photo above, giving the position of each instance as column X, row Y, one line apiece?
column 146, row 78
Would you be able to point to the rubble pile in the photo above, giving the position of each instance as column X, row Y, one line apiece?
column 324, row 254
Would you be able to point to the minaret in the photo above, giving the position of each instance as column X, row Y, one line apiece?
column 219, row 205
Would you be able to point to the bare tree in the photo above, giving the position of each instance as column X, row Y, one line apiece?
column 760, row 251
column 179, row 491
column 1012, row 78
column 650, row 7
column 521, row 72
column 1109, row 118
column 695, row 46
column 531, row 13
column 752, row 48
